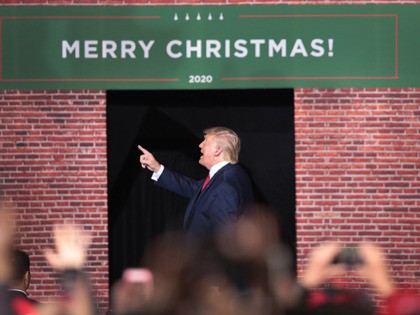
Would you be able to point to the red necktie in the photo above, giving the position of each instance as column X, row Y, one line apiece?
column 206, row 182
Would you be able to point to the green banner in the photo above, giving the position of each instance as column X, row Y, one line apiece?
column 209, row 47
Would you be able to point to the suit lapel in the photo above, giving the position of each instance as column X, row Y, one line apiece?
column 192, row 205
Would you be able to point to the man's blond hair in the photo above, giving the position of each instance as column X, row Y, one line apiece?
column 228, row 140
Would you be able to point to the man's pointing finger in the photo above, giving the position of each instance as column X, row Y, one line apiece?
column 143, row 150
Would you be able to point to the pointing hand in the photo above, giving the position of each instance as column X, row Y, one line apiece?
column 147, row 160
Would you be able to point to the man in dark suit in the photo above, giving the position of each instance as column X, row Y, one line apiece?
column 215, row 202
column 20, row 276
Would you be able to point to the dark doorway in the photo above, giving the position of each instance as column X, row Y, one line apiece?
column 170, row 125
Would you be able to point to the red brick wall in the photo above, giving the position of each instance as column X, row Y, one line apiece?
column 357, row 167
column 53, row 165
column 357, row 173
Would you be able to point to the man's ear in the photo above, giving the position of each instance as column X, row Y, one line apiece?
column 27, row 279
column 218, row 151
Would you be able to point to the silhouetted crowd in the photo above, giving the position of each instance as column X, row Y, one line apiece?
column 244, row 269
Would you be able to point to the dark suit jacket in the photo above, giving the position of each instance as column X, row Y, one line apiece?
column 18, row 294
column 220, row 203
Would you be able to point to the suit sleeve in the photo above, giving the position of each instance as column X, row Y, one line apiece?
column 178, row 183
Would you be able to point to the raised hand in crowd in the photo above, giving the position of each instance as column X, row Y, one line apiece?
column 132, row 293
column 71, row 244
column 331, row 260
column 69, row 258
column 375, row 269
column 320, row 267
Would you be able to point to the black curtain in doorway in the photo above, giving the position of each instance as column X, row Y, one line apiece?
column 170, row 125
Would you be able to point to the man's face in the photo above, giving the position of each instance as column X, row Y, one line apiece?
column 209, row 149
